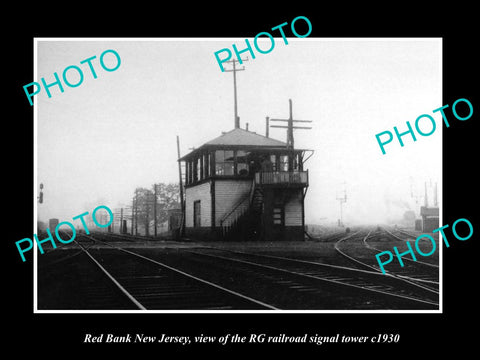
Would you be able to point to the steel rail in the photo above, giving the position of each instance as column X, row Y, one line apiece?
column 317, row 278
column 122, row 289
column 408, row 279
column 232, row 292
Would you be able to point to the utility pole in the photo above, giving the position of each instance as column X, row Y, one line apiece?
column 426, row 196
column 342, row 200
column 290, row 127
column 121, row 220
column 234, row 70
column 155, row 208
column 133, row 207
column 136, row 211
column 111, row 227
column 182, row 203
column 147, row 213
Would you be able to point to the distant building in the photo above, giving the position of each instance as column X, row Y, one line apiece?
column 430, row 218
column 174, row 219
column 245, row 186
column 52, row 224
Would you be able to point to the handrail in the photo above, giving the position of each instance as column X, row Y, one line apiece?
column 229, row 220
column 252, row 190
column 281, row 177
column 242, row 200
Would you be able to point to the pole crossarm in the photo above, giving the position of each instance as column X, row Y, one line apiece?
column 293, row 127
column 290, row 140
column 243, row 68
column 287, row 120
column 236, row 61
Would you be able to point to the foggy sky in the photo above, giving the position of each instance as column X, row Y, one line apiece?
column 99, row 141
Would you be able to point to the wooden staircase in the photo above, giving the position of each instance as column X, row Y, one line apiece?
column 243, row 222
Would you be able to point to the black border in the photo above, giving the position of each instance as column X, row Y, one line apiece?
column 48, row 334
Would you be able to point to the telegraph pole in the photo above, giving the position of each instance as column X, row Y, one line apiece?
column 133, row 207
column 426, row 196
column 234, row 70
column 136, row 211
column 290, row 128
column 155, row 209
column 182, row 204
column 342, row 200
column 147, row 212
column 121, row 220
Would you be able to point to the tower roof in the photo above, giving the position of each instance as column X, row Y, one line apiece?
column 239, row 139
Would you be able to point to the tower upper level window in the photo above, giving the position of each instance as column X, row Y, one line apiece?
column 224, row 162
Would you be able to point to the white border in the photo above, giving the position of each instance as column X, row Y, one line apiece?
column 35, row 181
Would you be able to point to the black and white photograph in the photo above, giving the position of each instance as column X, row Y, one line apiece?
column 259, row 187
column 234, row 181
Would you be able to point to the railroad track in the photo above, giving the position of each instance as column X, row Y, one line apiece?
column 307, row 282
column 354, row 281
column 330, row 237
column 359, row 250
column 428, row 265
column 69, row 280
column 151, row 284
column 207, row 278
column 408, row 234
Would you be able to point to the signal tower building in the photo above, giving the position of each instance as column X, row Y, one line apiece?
column 246, row 186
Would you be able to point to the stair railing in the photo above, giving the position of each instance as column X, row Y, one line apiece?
column 229, row 220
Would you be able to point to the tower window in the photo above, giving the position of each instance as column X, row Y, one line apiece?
column 242, row 163
column 224, row 162
column 278, row 215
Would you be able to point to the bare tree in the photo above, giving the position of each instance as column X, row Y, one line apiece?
column 146, row 206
